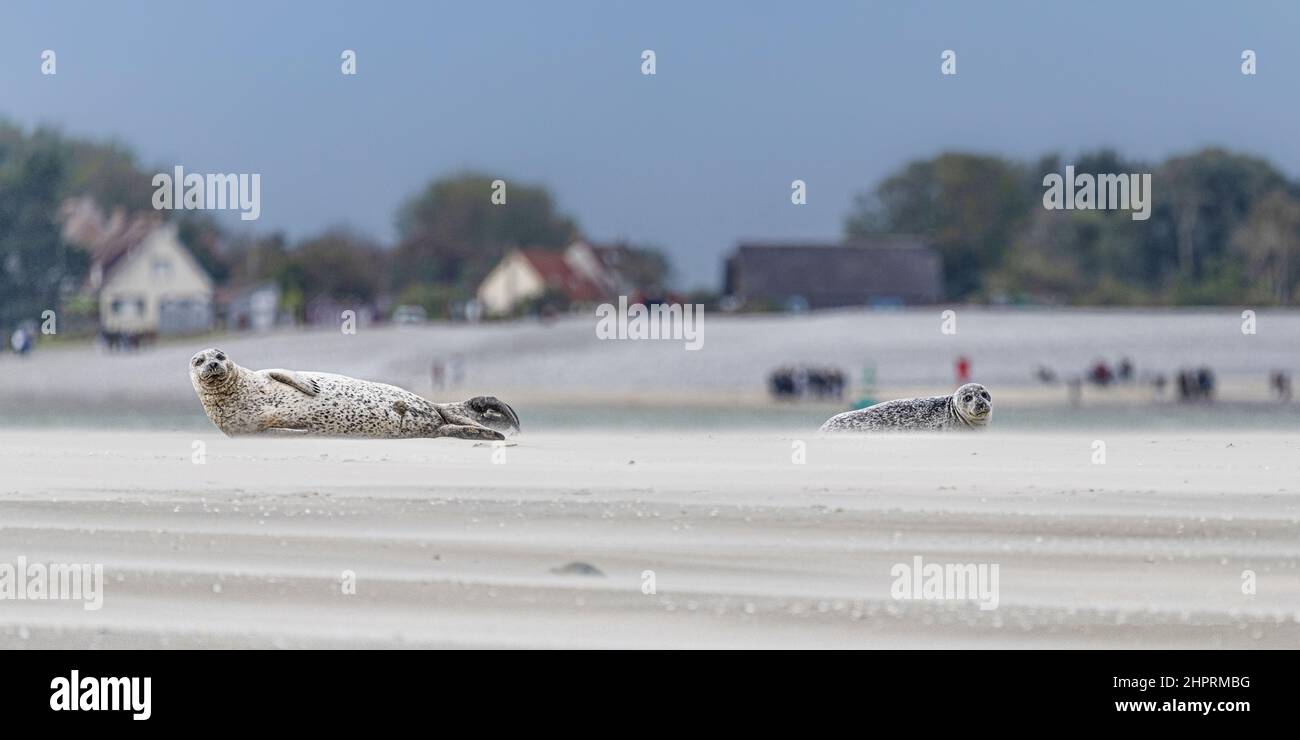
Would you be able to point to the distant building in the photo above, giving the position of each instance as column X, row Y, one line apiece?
column 256, row 308
column 145, row 281
column 578, row 274
column 155, row 288
column 792, row 276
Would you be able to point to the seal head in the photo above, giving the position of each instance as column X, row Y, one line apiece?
column 972, row 404
column 211, row 370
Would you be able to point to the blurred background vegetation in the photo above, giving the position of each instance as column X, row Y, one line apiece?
column 1224, row 229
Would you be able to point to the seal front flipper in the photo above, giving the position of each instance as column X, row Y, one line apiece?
column 294, row 380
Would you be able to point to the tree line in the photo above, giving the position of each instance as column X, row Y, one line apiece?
column 1224, row 228
column 449, row 235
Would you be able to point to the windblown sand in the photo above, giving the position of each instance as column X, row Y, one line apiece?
column 549, row 545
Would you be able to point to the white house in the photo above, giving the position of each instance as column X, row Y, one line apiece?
column 153, row 286
column 577, row 273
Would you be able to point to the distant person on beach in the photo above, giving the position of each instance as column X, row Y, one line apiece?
column 1125, row 370
column 1280, row 382
column 21, row 341
column 1184, row 386
column 838, row 383
column 963, row 370
column 781, row 382
column 1205, row 383
column 1196, row 385
column 817, row 382
column 1101, row 374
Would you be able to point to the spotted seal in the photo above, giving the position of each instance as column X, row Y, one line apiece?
column 241, row 401
column 969, row 407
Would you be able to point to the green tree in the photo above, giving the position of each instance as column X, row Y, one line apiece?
column 37, row 269
column 338, row 264
column 1200, row 199
column 451, row 233
column 1268, row 243
column 969, row 206
column 199, row 232
column 254, row 259
column 646, row 268
column 986, row 218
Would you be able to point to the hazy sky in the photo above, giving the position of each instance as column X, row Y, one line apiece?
column 748, row 96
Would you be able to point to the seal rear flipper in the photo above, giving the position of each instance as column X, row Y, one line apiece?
column 494, row 412
column 294, row 380
column 468, row 431
column 486, row 411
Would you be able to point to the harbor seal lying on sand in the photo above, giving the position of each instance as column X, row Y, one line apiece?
column 969, row 407
column 241, row 401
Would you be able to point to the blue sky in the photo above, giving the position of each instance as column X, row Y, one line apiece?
column 748, row 96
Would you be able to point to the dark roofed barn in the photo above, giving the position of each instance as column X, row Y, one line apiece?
column 886, row 271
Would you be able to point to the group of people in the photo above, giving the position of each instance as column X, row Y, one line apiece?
column 822, row 383
column 1190, row 384
column 1193, row 384
column 115, row 341
column 1103, row 375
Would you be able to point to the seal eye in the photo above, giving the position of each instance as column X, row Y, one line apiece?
column 198, row 361
column 221, row 357
column 967, row 398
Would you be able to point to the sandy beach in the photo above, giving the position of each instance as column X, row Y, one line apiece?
column 550, row 545
column 1074, row 265
column 658, row 499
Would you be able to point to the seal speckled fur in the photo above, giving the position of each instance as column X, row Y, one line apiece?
column 969, row 407
column 241, row 401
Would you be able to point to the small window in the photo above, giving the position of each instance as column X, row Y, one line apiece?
column 117, row 305
column 162, row 268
